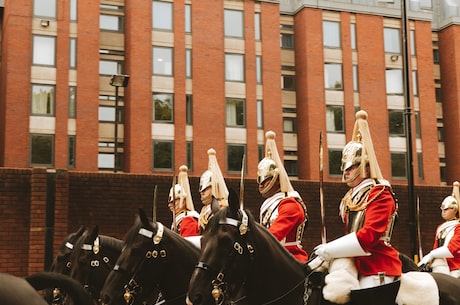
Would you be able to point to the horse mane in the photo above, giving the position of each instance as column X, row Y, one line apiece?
column 111, row 242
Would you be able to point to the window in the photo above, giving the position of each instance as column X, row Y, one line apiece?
column 260, row 114
column 235, row 153
column 396, row 123
column 110, row 67
column 289, row 125
column 440, row 134
column 106, row 161
column 436, row 56
column 233, row 23
column 188, row 18
column 394, row 81
column 44, row 48
column 291, row 167
column 45, row 8
column 41, row 149
column 259, row 69
column 398, row 165
column 335, row 162
column 261, row 151
column 257, row 34
column 107, row 114
column 72, row 102
column 162, row 13
column 353, row 36
column 162, row 61
column 392, row 40
column 188, row 63
column 72, row 147
column 438, row 94
column 236, row 112
column 420, row 165
column 333, row 76
column 73, row 53
column 163, row 107
column 288, row 82
column 234, row 67
column 331, row 34
column 43, row 99
column 189, row 154
column 73, row 10
column 287, row 41
column 334, row 119
column 412, row 42
column 417, row 124
column 111, row 23
column 162, row 154
column 414, row 83
column 189, row 109
column 355, row 78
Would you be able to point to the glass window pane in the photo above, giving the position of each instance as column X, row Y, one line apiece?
column 334, row 119
column 260, row 114
column 394, row 82
column 189, row 109
column 353, row 36
column 259, row 69
column 162, row 107
column 45, row 8
column 396, row 123
column 257, row 26
column 331, row 34
column 73, row 53
column 106, row 161
column 392, row 40
column 72, row 147
column 235, row 113
column 162, row 15
column 106, row 114
column 234, row 67
column 355, row 78
column 188, row 18
column 335, row 160
column 233, row 23
column 108, row 67
column 333, row 76
column 287, row 41
column 43, row 97
column 41, row 149
column 414, row 83
column 73, row 10
column 189, row 155
column 398, row 165
column 162, row 154
column 44, row 50
column 72, row 101
column 288, row 82
column 162, row 61
column 235, row 155
column 110, row 23
column 188, row 63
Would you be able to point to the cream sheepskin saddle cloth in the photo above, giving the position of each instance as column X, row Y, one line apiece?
column 417, row 288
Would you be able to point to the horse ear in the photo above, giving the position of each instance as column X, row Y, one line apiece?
column 80, row 230
column 94, row 232
column 233, row 200
column 143, row 217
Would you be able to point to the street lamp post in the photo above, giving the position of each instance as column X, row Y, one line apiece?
column 118, row 80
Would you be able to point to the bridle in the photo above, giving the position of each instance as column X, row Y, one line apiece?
column 157, row 254
column 219, row 285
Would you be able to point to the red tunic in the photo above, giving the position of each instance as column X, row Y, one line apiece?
column 454, row 248
column 189, row 226
column 290, row 216
column 383, row 258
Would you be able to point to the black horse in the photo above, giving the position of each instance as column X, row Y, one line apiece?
column 240, row 254
column 92, row 259
column 153, row 259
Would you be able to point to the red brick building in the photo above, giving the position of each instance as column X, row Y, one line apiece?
column 220, row 74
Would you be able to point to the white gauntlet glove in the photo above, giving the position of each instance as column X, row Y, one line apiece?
column 441, row 252
column 345, row 246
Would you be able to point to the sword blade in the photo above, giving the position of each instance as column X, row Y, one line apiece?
column 321, row 192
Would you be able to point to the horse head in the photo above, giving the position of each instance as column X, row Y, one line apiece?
column 93, row 258
column 61, row 263
column 153, row 258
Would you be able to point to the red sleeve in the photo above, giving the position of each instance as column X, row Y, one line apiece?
column 290, row 215
column 454, row 243
column 378, row 213
column 189, row 227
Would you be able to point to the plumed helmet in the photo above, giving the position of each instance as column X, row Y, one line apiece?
column 361, row 149
column 176, row 192
column 185, row 185
column 205, row 180
column 452, row 201
column 351, row 155
column 272, row 166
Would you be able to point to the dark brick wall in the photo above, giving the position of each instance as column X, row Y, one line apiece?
column 111, row 201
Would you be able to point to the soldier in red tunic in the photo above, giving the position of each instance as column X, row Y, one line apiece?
column 181, row 204
column 368, row 210
column 283, row 212
column 445, row 256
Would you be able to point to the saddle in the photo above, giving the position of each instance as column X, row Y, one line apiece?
column 379, row 295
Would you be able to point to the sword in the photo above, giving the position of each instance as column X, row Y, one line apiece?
column 321, row 195
column 242, row 184
column 174, row 225
column 420, row 250
column 155, row 203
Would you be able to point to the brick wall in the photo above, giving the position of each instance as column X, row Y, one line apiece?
column 111, row 201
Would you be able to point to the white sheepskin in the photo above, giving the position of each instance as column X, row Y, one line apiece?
column 417, row 288
column 440, row 265
column 342, row 278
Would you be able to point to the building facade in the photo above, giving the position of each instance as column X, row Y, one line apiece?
column 201, row 74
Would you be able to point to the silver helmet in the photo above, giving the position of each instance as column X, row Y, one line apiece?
column 449, row 203
column 176, row 192
column 351, row 155
column 205, row 180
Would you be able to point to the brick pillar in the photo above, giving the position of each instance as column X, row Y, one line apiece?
column 37, row 220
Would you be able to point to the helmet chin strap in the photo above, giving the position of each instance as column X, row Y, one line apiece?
column 352, row 178
column 269, row 186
